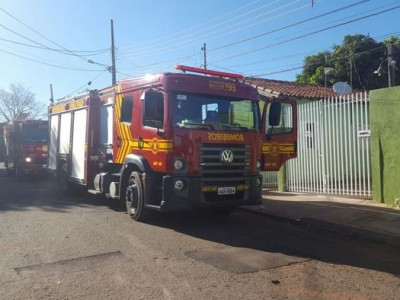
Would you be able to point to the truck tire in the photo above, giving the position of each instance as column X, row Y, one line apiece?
column 62, row 179
column 135, row 198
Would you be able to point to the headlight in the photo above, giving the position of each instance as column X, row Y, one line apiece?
column 179, row 164
column 258, row 165
column 28, row 159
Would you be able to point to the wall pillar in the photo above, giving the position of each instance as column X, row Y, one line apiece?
column 282, row 179
column 385, row 145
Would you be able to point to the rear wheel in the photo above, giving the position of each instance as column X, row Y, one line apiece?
column 135, row 198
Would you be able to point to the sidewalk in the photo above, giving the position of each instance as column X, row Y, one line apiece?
column 353, row 217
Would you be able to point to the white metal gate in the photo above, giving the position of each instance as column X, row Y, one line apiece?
column 270, row 179
column 333, row 147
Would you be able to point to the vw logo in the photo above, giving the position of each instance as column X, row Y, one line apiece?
column 226, row 156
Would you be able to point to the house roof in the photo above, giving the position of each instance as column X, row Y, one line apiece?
column 291, row 89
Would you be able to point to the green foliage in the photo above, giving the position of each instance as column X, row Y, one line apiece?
column 354, row 62
column 312, row 68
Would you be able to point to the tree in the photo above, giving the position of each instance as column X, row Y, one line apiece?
column 313, row 69
column 19, row 100
column 355, row 62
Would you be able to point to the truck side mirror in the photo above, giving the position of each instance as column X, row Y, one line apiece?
column 274, row 116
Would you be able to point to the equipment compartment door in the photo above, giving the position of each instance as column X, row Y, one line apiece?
column 79, row 144
column 65, row 133
column 279, row 133
column 54, row 136
column 106, row 130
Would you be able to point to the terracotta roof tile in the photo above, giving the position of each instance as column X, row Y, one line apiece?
column 293, row 89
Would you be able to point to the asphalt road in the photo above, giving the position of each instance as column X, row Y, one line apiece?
column 81, row 247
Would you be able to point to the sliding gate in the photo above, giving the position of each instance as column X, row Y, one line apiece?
column 333, row 148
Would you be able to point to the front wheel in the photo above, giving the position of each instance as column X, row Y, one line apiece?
column 135, row 198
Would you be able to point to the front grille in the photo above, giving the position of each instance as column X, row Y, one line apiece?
column 211, row 164
column 39, row 160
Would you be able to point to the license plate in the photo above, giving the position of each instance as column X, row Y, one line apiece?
column 228, row 190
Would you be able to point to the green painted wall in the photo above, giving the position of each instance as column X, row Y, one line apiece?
column 385, row 144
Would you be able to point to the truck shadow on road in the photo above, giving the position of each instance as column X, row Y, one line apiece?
column 33, row 192
column 240, row 229
column 244, row 229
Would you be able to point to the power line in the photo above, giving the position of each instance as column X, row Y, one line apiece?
column 308, row 34
column 86, row 84
column 119, row 54
column 290, row 25
column 43, row 36
column 93, row 52
column 278, row 29
column 213, row 35
column 47, row 64
column 302, row 36
column 174, row 60
column 179, row 34
column 319, row 62
column 269, row 59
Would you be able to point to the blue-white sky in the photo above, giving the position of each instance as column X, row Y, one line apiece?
column 47, row 41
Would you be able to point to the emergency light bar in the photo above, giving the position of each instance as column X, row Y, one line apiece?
column 208, row 72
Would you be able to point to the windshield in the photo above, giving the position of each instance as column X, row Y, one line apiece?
column 216, row 113
column 34, row 133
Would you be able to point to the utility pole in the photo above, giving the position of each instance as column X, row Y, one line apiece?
column 351, row 68
column 51, row 93
column 391, row 65
column 205, row 55
column 114, row 77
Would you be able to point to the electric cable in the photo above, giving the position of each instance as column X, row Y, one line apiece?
column 308, row 34
column 169, row 38
column 94, row 52
column 43, row 36
column 278, row 29
column 317, row 63
column 47, row 64
column 213, row 35
column 86, row 84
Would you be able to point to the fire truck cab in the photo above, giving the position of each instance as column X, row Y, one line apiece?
column 165, row 142
column 26, row 144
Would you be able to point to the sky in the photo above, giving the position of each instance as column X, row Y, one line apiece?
column 67, row 43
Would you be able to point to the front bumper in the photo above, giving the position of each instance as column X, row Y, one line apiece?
column 206, row 192
column 33, row 168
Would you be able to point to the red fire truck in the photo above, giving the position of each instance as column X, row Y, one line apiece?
column 26, row 144
column 170, row 141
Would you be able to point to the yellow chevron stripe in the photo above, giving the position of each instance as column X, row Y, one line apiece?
column 128, row 143
column 123, row 130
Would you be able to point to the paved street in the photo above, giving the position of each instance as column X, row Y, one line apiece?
column 81, row 247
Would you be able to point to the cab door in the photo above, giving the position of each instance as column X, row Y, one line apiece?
column 279, row 141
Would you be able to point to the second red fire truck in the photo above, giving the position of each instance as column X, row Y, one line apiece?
column 171, row 141
column 26, row 144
